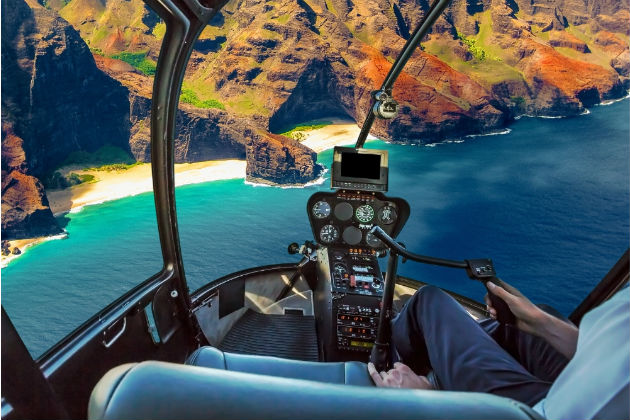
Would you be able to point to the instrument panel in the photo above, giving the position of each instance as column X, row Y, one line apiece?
column 344, row 218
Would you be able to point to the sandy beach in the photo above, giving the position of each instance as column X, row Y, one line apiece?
column 117, row 184
column 339, row 133
column 113, row 185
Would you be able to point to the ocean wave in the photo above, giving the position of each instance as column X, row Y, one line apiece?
column 77, row 209
column 491, row 133
column 613, row 101
column 546, row 117
column 318, row 181
column 6, row 260
column 462, row 140
column 551, row 117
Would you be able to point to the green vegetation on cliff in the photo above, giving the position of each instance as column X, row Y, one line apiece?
column 159, row 30
column 58, row 181
column 139, row 60
column 478, row 52
column 189, row 96
column 103, row 156
column 115, row 167
column 307, row 126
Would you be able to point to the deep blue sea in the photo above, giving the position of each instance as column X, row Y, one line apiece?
column 548, row 202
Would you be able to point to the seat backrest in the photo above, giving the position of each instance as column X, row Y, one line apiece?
column 158, row 390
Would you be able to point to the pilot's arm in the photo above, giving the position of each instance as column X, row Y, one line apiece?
column 533, row 320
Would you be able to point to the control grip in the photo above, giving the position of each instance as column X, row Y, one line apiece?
column 504, row 314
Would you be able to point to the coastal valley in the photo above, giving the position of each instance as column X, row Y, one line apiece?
column 77, row 81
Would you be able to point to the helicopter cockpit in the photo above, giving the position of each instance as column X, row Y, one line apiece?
column 284, row 341
column 323, row 324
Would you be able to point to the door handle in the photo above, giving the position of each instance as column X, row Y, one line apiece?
column 108, row 343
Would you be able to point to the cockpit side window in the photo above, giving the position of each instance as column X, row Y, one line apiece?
column 78, row 216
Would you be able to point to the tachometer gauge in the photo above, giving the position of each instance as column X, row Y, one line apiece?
column 372, row 240
column 321, row 210
column 364, row 213
column 387, row 215
column 328, row 234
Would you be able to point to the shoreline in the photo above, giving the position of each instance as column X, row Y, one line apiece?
column 339, row 133
column 116, row 184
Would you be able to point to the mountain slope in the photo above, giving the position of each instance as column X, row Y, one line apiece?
column 485, row 61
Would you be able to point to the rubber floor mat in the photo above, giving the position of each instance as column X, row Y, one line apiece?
column 288, row 336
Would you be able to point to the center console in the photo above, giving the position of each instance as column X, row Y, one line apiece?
column 349, row 281
column 347, row 301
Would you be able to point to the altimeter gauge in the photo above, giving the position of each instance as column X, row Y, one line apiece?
column 328, row 234
column 387, row 215
column 321, row 210
column 364, row 213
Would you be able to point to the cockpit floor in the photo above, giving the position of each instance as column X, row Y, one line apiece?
column 289, row 336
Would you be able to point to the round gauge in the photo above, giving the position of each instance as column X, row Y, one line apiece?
column 328, row 234
column 352, row 235
column 321, row 210
column 364, row 213
column 387, row 215
column 343, row 210
column 340, row 270
column 372, row 240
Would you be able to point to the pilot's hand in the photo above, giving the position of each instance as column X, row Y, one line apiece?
column 528, row 316
column 401, row 376
column 562, row 335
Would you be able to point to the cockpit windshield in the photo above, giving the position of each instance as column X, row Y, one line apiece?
column 511, row 142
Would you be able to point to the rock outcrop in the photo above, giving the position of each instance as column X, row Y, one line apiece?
column 210, row 134
column 54, row 102
column 25, row 211
column 271, row 159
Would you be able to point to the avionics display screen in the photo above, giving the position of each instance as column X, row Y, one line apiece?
column 356, row 165
column 359, row 169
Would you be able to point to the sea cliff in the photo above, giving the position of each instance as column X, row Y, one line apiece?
column 77, row 76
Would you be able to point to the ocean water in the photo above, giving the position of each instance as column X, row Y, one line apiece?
column 548, row 202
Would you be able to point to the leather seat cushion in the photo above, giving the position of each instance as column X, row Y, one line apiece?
column 166, row 391
column 349, row 373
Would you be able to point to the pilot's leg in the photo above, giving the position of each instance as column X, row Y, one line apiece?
column 433, row 326
column 534, row 353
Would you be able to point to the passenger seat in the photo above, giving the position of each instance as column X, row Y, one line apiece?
column 347, row 373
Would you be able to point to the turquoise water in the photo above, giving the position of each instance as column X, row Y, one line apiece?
column 548, row 202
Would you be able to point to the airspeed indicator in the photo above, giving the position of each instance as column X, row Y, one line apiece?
column 321, row 210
